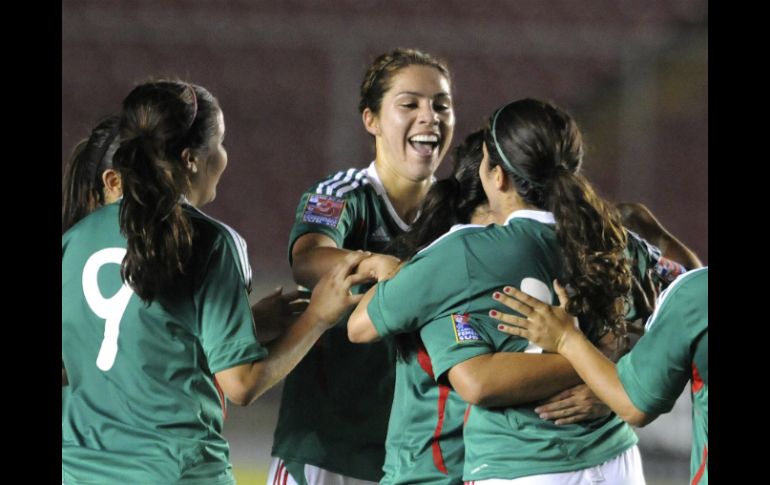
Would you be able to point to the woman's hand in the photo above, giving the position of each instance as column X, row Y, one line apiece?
column 276, row 311
column 573, row 405
column 331, row 296
column 380, row 266
column 544, row 325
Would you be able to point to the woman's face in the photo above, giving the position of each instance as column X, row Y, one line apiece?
column 502, row 200
column 414, row 127
column 210, row 167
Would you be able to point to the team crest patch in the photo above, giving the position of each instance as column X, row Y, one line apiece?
column 323, row 209
column 463, row 329
column 668, row 270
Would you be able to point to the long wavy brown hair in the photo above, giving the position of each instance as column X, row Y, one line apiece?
column 159, row 120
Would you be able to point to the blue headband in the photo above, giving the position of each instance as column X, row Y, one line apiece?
column 96, row 177
column 507, row 162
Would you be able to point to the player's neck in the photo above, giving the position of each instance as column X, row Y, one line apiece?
column 405, row 195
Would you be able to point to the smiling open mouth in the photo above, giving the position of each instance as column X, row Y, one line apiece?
column 424, row 144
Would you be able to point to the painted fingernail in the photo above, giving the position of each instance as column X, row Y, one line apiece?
column 507, row 289
column 493, row 313
column 501, row 327
column 496, row 295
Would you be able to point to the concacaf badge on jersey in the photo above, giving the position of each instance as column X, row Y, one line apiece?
column 464, row 332
column 668, row 270
column 323, row 209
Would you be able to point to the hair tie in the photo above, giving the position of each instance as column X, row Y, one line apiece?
column 507, row 162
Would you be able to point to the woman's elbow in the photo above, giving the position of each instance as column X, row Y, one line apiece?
column 360, row 334
column 244, row 394
column 636, row 418
column 470, row 390
column 360, row 328
column 355, row 335
column 240, row 398
column 241, row 385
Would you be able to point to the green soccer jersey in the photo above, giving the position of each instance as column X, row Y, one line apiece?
column 425, row 432
column 143, row 404
column 674, row 350
column 336, row 402
column 469, row 266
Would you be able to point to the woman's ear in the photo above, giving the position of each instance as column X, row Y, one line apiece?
column 371, row 122
column 190, row 161
column 113, row 185
column 500, row 178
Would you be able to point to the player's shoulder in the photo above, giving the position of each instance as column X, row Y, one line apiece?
column 95, row 223
column 693, row 283
column 520, row 233
column 455, row 238
column 687, row 295
column 343, row 184
column 212, row 226
column 693, row 278
column 212, row 232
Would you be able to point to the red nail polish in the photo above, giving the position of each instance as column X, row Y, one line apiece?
column 496, row 295
column 493, row 313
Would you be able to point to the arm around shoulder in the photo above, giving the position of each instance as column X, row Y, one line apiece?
column 511, row 378
column 330, row 299
column 244, row 383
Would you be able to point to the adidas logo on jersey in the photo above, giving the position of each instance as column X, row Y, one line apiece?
column 379, row 235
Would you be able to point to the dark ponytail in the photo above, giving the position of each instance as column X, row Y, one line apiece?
column 540, row 148
column 160, row 119
column 592, row 241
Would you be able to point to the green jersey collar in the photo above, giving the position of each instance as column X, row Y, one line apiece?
column 540, row 216
column 374, row 181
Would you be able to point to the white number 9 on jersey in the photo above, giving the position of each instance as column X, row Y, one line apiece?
column 110, row 309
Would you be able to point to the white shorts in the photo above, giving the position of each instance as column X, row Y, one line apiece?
column 624, row 469
column 279, row 475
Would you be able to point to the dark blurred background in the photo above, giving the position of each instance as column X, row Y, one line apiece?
column 634, row 74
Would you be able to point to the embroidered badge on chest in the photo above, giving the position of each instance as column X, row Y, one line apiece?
column 463, row 329
column 323, row 209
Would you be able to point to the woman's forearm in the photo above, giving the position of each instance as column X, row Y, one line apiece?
column 511, row 378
